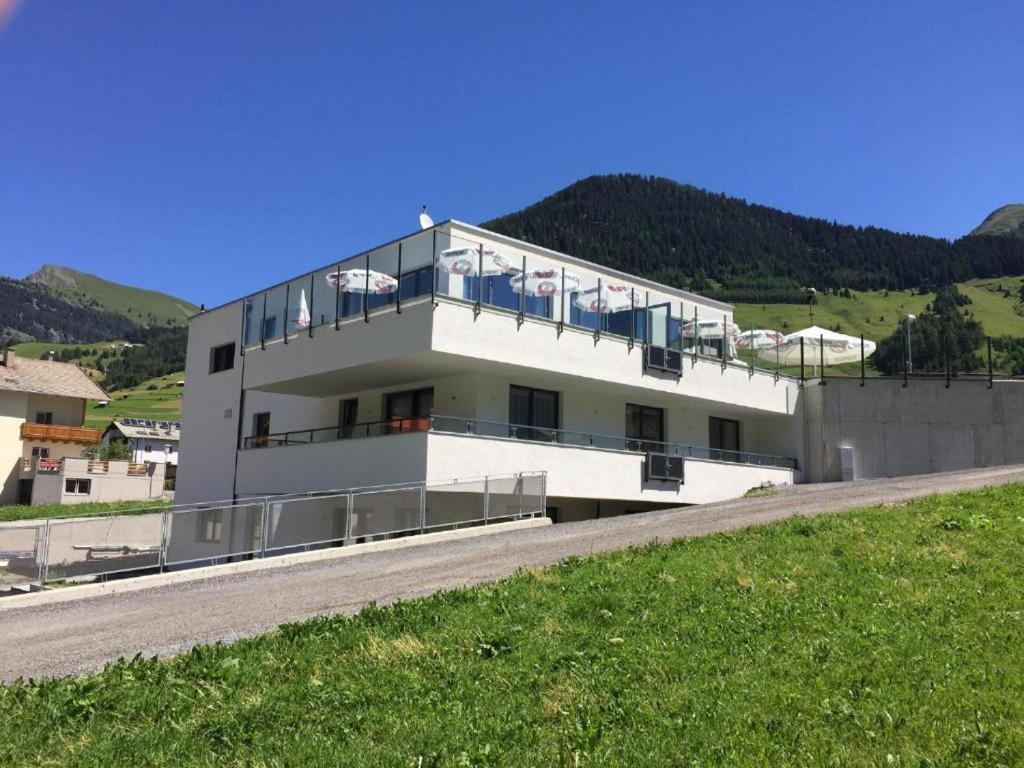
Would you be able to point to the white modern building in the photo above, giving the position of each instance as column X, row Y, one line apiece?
column 455, row 352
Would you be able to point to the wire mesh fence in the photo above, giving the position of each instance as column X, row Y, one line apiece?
column 84, row 549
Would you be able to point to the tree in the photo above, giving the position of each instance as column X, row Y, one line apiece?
column 941, row 326
column 116, row 450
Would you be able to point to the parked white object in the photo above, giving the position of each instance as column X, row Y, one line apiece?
column 545, row 281
column 357, row 281
column 467, row 261
column 300, row 318
column 612, row 298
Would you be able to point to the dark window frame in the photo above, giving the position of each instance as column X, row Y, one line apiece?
column 222, row 357
column 73, row 486
column 421, row 408
column 44, row 417
column 641, row 442
column 716, row 443
column 533, row 430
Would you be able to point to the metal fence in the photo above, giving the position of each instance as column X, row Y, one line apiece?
column 198, row 535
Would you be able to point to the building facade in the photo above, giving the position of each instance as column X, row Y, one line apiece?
column 150, row 441
column 455, row 352
column 42, row 409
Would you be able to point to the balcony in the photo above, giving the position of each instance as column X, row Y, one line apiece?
column 46, row 466
column 60, row 433
column 481, row 428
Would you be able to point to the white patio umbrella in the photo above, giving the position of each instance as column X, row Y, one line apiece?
column 710, row 329
column 544, row 281
column 466, row 262
column 356, row 281
column 612, row 298
column 820, row 346
column 300, row 317
column 759, row 339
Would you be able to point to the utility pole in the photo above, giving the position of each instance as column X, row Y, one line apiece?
column 906, row 326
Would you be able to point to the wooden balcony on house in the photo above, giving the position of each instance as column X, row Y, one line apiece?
column 60, row 433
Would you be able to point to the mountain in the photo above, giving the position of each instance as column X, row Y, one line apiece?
column 143, row 307
column 30, row 312
column 731, row 249
column 1007, row 221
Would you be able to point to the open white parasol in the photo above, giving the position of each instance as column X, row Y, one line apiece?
column 821, row 346
column 607, row 298
column 544, row 281
column 466, row 261
column 358, row 281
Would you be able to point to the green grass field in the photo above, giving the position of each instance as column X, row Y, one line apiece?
column 162, row 403
column 40, row 511
column 890, row 636
column 876, row 314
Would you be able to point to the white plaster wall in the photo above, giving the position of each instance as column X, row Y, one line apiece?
column 13, row 406
column 591, row 473
column 210, row 411
column 334, row 465
column 69, row 411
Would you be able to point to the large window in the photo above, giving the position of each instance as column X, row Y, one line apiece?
column 260, row 428
column 44, row 417
column 348, row 415
column 724, row 439
column 645, row 428
column 222, row 358
column 405, row 411
column 536, row 409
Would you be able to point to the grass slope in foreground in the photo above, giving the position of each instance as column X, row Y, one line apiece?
column 12, row 512
column 885, row 636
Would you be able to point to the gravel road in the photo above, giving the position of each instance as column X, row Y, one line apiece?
column 81, row 636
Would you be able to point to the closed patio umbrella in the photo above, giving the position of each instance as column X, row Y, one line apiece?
column 710, row 329
column 300, row 317
column 467, row 262
column 361, row 281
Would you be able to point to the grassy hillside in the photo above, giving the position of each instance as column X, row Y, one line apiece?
column 145, row 307
column 158, row 399
column 888, row 636
column 877, row 313
column 1008, row 220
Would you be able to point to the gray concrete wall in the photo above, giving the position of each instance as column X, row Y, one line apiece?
column 924, row 427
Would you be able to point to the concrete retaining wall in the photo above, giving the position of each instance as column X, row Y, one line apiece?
column 924, row 427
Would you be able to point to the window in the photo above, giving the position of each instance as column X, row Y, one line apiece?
column 44, row 417
column 42, row 453
column 210, row 525
column 76, row 487
column 409, row 410
column 222, row 358
column 148, row 448
column 724, row 438
column 536, row 409
column 645, row 428
column 348, row 415
column 260, row 428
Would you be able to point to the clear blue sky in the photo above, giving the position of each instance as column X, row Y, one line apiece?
column 210, row 148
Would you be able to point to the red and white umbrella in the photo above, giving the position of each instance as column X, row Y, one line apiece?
column 710, row 329
column 467, row 261
column 300, row 317
column 759, row 339
column 609, row 298
column 356, row 281
column 544, row 281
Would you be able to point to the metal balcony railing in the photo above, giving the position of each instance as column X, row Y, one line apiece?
column 482, row 428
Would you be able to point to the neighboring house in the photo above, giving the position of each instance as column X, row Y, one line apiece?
column 153, row 441
column 42, row 409
column 476, row 354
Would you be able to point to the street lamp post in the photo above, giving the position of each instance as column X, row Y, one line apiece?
column 811, row 293
column 908, row 319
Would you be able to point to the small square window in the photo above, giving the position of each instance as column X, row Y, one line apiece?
column 210, row 524
column 222, row 358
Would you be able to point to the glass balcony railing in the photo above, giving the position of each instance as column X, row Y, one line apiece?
column 483, row 428
column 486, row 275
